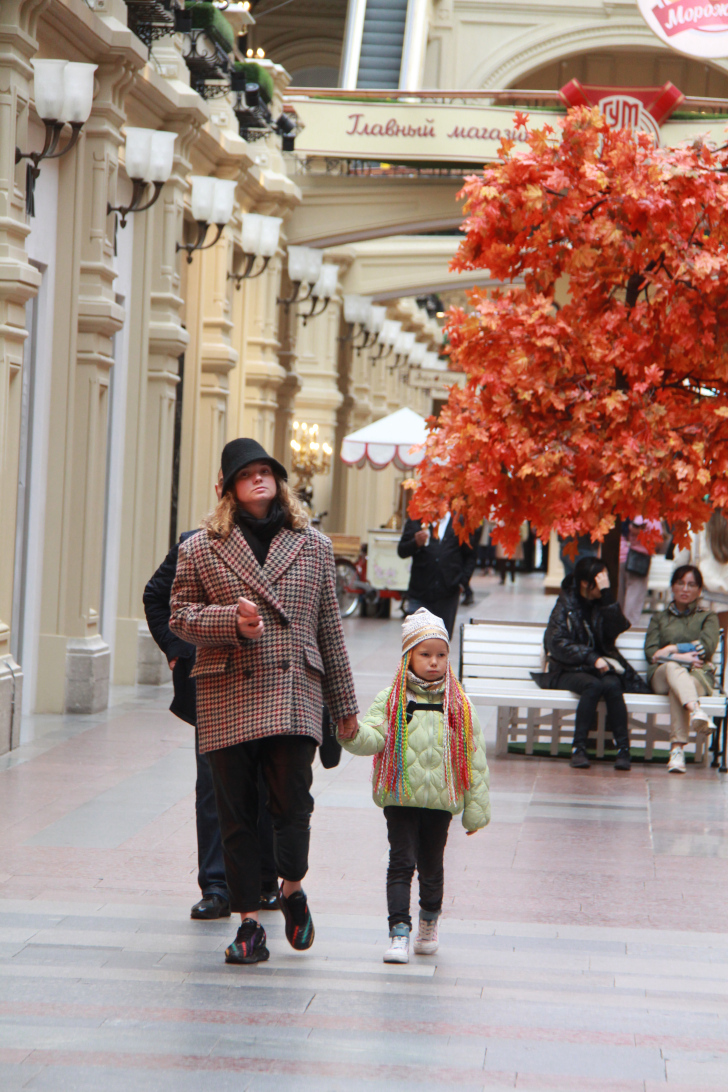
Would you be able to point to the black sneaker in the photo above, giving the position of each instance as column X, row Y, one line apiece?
column 249, row 944
column 269, row 898
column 623, row 760
column 299, row 923
column 210, row 907
column 579, row 759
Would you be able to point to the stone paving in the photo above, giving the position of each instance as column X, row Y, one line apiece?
column 582, row 945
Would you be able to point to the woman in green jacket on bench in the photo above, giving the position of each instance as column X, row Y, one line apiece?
column 679, row 648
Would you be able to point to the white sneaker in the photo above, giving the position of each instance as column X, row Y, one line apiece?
column 426, row 939
column 398, row 950
column 701, row 722
column 676, row 763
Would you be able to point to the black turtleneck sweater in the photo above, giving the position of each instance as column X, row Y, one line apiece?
column 259, row 533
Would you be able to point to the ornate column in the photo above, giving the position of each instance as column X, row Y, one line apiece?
column 19, row 281
column 74, row 653
column 158, row 341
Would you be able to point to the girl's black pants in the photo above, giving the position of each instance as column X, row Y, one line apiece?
column 417, row 838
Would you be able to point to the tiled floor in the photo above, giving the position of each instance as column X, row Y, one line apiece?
column 583, row 946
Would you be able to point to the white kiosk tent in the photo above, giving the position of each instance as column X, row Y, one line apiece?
column 398, row 438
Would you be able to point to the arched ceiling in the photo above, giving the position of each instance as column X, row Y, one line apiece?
column 629, row 68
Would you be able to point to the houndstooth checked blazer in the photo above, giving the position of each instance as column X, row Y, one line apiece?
column 250, row 689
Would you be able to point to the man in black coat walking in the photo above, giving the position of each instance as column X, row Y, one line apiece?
column 181, row 658
column 440, row 567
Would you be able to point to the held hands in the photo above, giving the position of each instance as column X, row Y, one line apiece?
column 248, row 621
column 421, row 537
column 348, row 727
column 670, row 652
column 601, row 664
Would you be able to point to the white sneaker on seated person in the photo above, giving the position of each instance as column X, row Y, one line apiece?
column 700, row 721
column 676, row 762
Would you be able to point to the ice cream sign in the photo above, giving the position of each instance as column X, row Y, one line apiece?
column 698, row 29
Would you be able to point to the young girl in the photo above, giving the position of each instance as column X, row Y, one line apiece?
column 429, row 765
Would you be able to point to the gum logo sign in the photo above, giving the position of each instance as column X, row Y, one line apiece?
column 698, row 29
column 627, row 107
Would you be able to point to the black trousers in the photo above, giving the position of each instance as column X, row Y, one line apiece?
column 417, row 838
column 594, row 689
column 210, row 863
column 444, row 606
column 285, row 763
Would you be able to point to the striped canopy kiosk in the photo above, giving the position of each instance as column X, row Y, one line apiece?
column 398, row 438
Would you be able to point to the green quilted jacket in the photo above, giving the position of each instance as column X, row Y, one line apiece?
column 424, row 760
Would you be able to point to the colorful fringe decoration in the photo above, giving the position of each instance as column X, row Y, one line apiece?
column 390, row 766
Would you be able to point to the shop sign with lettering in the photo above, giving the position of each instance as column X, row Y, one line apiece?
column 699, row 29
column 431, row 133
column 408, row 131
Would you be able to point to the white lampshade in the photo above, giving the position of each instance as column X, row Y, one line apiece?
column 270, row 235
column 223, row 200
column 375, row 318
column 432, row 360
column 404, row 344
column 352, row 308
column 138, row 152
column 203, row 191
column 161, row 159
column 48, row 88
column 390, row 331
column 297, row 263
column 251, row 232
column 314, row 261
column 327, row 283
column 417, row 353
column 78, row 91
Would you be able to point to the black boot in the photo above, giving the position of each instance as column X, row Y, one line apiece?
column 623, row 760
column 579, row 760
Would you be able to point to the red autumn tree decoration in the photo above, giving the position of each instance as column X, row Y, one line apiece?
column 598, row 378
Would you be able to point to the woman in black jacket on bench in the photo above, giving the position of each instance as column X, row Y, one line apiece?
column 580, row 646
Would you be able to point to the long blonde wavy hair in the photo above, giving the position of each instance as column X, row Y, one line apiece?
column 219, row 523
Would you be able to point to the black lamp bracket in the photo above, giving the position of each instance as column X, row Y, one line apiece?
column 53, row 130
column 247, row 274
column 313, row 313
column 202, row 229
column 137, row 193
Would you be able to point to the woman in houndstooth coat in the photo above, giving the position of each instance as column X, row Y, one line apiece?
column 256, row 593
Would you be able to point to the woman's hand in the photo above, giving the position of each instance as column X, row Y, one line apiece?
column 248, row 621
column 662, row 653
column 348, row 727
column 602, row 580
column 601, row 664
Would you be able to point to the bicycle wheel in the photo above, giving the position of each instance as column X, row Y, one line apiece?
column 348, row 597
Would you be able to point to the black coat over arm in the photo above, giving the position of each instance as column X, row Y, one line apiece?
column 157, row 610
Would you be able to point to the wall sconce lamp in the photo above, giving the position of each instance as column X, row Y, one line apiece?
column 304, row 267
column 259, row 238
column 387, row 338
column 416, row 357
column 149, row 160
column 323, row 290
column 360, row 311
column 64, row 94
column 212, row 203
column 403, row 346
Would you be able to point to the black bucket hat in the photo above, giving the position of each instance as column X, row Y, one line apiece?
column 239, row 453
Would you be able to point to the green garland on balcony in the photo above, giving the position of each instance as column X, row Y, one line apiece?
column 211, row 19
column 255, row 73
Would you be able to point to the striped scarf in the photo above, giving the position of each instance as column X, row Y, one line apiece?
column 390, row 766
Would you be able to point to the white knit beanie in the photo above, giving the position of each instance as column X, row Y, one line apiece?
column 421, row 626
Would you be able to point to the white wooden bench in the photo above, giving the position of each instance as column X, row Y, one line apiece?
column 496, row 661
